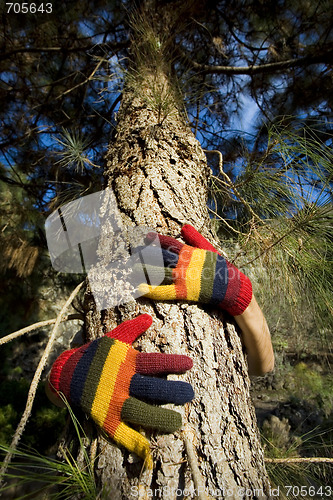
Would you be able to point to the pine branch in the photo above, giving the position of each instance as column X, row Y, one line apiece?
column 34, row 384
column 228, row 183
column 38, row 50
column 90, row 77
column 324, row 57
column 287, row 233
column 222, row 220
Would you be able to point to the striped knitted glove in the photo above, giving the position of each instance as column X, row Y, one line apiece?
column 197, row 273
column 104, row 377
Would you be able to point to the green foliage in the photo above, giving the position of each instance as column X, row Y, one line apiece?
column 309, row 384
column 19, row 220
column 307, row 380
column 280, row 443
column 73, row 155
column 297, row 475
column 46, row 423
column 58, row 479
column 150, row 65
column 282, row 219
column 277, row 440
column 22, row 263
column 8, row 419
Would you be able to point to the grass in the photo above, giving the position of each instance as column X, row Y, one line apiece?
column 46, row 477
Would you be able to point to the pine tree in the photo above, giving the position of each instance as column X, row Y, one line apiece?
column 158, row 172
column 179, row 57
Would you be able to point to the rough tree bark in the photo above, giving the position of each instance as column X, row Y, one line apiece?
column 158, row 172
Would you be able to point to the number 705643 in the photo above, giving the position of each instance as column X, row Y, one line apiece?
column 29, row 8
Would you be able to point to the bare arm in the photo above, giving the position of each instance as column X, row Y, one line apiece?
column 256, row 339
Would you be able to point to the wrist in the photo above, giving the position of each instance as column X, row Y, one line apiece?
column 239, row 292
column 256, row 338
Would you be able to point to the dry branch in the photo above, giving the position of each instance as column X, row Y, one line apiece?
column 299, row 460
column 34, row 383
column 188, row 436
column 35, row 326
column 324, row 57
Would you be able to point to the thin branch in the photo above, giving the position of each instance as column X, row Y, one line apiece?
column 243, row 43
column 216, row 151
column 85, row 48
column 299, row 460
column 224, row 221
column 90, row 77
column 231, row 185
column 199, row 485
column 324, row 57
column 34, row 383
column 35, row 326
column 239, row 40
column 276, row 242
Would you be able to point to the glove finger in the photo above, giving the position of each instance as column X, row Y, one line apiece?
column 141, row 413
column 129, row 330
column 160, row 390
column 166, row 242
column 133, row 441
column 152, row 255
column 154, row 274
column 170, row 259
column 194, row 238
column 159, row 363
column 163, row 292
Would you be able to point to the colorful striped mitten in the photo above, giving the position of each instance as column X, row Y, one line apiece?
column 104, row 378
column 197, row 273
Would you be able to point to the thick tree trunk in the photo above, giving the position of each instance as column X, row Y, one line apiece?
column 158, row 172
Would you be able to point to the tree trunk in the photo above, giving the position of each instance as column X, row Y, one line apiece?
column 158, row 172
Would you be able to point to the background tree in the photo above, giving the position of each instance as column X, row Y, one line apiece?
column 62, row 83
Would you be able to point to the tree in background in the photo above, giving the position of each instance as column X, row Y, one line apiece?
column 63, row 80
column 62, row 83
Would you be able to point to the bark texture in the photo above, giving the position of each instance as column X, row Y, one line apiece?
column 158, row 172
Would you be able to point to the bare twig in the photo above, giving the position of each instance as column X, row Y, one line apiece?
column 220, row 181
column 35, row 326
column 228, row 182
column 216, row 151
column 299, row 460
column 224, row 221
column 34, row 383
column 323, row 57
column 90, row 77
column 199, row 485
column 84, row 48
column 276, row 242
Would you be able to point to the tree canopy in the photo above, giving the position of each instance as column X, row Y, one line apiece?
column 255, row 81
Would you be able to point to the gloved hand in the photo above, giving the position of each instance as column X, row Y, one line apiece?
column 104, row 377
column 197, row 272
